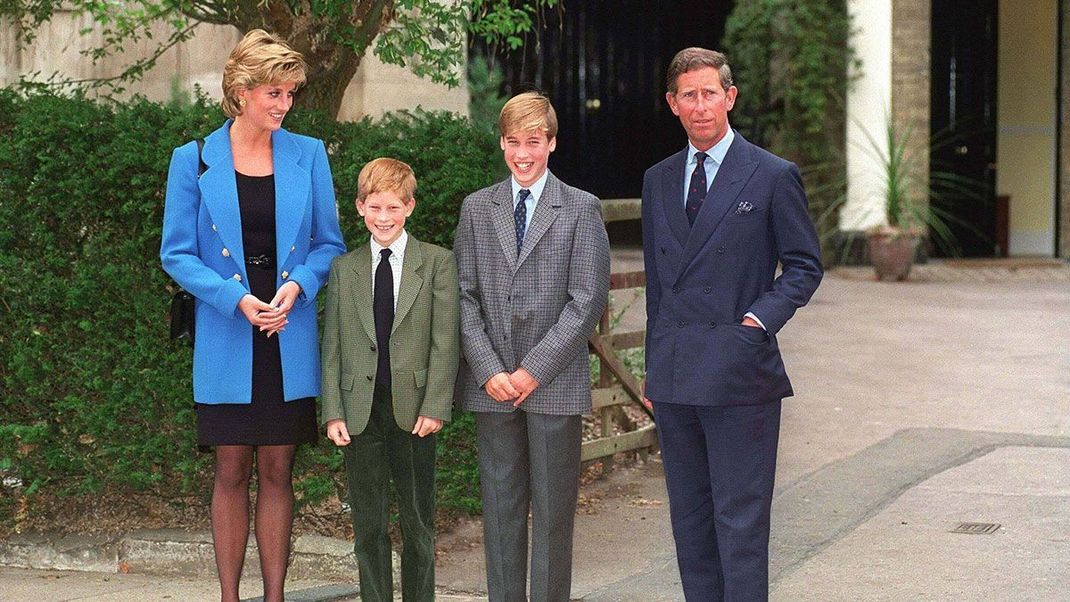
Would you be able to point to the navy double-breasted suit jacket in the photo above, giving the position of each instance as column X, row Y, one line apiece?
column 702, row 279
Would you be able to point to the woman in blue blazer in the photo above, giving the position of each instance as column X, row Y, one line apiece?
column 252, row 238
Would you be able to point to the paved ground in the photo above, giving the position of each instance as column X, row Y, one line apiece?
column 920, row 406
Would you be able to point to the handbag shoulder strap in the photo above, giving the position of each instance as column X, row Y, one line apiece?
column 200, row 159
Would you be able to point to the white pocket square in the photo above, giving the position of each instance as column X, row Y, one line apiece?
column 744, row 207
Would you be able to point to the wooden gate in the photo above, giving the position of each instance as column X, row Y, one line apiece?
column 616, row 385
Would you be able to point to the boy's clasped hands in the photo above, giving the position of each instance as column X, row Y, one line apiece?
column 514, row 387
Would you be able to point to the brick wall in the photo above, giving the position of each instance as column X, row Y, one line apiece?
column 911, row 65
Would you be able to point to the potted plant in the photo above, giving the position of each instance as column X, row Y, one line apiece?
column 892, row 245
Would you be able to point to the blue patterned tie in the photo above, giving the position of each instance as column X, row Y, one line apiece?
column 696, row 192
column 520, row 217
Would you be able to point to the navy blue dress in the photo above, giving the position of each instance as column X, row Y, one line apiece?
column 268, row 420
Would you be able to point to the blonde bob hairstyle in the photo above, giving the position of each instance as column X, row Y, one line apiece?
column 528, row 112
column 259, row 58
column 386, row 175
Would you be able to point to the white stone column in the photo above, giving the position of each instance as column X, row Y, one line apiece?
column 868, row 111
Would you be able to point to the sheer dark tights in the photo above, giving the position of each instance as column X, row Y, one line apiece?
column 274, row 515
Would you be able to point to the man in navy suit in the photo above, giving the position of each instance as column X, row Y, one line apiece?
column 718, row 217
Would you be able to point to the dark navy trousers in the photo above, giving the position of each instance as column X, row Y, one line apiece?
column 720, row 462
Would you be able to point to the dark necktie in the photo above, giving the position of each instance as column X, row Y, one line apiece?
column 383, row 308
column 696, row 191
column 520, row 217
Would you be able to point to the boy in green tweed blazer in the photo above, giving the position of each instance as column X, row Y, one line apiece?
column 390, row 352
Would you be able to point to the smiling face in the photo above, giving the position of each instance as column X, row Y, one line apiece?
column 526, row 154
column 702, row 105
column 384, row 214
column 267, row 105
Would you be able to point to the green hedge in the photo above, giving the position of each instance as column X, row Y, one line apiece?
column 93, row 395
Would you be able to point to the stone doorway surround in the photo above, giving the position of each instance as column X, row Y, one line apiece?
column 1063, row 198
column 911, row 31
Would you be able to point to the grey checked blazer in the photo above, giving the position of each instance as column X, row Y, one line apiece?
column 537, row 310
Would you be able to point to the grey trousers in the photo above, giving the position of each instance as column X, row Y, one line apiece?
column 528, row 460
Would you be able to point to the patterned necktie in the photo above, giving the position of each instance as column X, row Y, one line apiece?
column 520, row 217
column 696, row 192
column 383, row 309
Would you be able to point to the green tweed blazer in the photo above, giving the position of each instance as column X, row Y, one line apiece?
column 424, row 342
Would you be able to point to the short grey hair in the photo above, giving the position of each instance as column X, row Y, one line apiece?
column 690, row 59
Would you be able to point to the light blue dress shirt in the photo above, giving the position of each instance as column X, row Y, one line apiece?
column 715, row 156
column 533, row 198
column 711, row 164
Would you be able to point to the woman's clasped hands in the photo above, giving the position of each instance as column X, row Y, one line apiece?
column 270, row 317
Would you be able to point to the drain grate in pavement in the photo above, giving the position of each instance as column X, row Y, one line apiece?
column 976, row 528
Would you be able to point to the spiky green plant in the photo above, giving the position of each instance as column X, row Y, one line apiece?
column 908, row 193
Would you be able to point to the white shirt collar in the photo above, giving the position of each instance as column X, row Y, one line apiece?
column 397, row 248
column 717, row 152
column 536, row 188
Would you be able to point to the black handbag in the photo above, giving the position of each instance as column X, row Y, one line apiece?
column 183, row 305
column 182, row 316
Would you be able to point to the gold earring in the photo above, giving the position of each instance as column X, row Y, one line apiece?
column 241, row 102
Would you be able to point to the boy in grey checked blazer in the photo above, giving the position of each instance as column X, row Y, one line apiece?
column 533, row 264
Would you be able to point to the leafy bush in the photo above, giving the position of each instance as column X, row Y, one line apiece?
column 791, row 60
column 93, row 395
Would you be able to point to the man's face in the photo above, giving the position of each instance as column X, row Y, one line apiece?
column 526, row 154
column 702, row 106
column 384, row 214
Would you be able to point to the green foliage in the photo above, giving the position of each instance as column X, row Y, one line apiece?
column 93, row 395
column 506, row 21
column 900, row 177
column 485, row 100
column 791, row 60
column 457, row 468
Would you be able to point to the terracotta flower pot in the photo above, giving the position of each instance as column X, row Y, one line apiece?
column 892, row 252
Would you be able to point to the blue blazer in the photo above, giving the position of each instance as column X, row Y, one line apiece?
column 702, row 279
column 202, row 250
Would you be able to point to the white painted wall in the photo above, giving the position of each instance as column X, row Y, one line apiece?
column 868, row 109
column 1025, row 144
column 376, row 88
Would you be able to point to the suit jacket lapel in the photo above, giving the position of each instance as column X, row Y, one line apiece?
column 502, row 215
column 410, row 280
column 545, row 214
column 672, row 197
column 219, row 193
column 362, row 266
column 292, row 183
column 732, row 176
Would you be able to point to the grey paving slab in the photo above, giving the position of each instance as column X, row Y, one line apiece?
column 869, row 359
column 907, row 550
column 29, row 585
column 827, row 505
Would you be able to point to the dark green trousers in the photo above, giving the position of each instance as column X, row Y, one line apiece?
column 381, row 453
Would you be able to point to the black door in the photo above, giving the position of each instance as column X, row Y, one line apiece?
column 603, row 63
column 963, row 153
